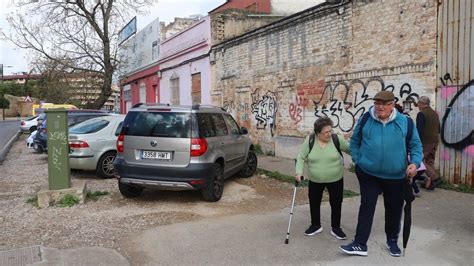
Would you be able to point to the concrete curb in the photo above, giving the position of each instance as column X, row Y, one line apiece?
column 6, row 149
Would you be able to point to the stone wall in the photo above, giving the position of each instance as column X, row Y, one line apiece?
column 279, row 78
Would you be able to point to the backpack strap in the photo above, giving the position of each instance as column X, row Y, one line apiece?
column 410, row 126
column 362, row 122
column 312, row 138
column 335, row 139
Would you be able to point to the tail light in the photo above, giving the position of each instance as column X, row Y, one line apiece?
column 78, row 144
column 198, row 147
column 22, row 123
column 120, row 140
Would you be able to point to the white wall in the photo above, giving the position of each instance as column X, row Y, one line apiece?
column 285, row 7
column 184, row 73
column 138, row 51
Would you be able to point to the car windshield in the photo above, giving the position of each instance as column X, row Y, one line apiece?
column 89, row 126
column 159, row 124
column 31, row 118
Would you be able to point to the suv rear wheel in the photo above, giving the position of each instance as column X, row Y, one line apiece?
column 250, row 165
column 129, row 191
column 215, row 188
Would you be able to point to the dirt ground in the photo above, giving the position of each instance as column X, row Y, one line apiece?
column 108, row 221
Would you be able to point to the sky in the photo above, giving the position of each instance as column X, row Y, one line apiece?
column 14, row 59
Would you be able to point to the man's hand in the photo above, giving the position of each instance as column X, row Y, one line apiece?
column 411, row 171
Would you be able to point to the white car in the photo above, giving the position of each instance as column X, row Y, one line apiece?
column 30, row 124
column 92, row 144
column 30, row 139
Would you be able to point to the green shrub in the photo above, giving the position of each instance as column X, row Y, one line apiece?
column 33, row 201
column 95, row 195
column 455, row 187
column 68, row 201
column 257, row 149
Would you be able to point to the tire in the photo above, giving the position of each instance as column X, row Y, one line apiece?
column 250, row 165
column 129, row 191
column 213, row 191
column 105, row 165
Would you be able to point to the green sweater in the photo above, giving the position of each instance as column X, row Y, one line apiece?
column 325, row 165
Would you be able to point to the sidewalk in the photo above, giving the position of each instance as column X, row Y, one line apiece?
column 441, row 234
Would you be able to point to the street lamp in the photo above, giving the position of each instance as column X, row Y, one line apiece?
column 3, row 91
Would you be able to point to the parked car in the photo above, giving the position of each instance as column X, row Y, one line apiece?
column 29, row 124
column 92, row 144
column 40, row 142
column 181, row 148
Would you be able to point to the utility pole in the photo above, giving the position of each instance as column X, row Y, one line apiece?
column 3, row 91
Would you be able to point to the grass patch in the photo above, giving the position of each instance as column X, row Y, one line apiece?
column 68, row 201
column 258, row 149
column 291, row 179
column 32, row 200
column 95, row 195
column 349, row 193
column 455, row 187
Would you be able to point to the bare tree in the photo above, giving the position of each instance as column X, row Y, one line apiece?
column 79, row 35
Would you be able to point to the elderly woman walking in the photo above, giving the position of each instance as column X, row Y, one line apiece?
column 325, row 165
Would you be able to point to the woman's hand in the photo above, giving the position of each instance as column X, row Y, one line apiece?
column 298, row 178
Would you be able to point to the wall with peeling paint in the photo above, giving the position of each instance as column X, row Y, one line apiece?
column 327, row 61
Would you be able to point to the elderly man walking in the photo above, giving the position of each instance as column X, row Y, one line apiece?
column 427, row 124
column 379, row 146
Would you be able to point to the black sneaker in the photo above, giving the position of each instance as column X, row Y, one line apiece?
column 338, row 233
column 355, row 248
column 312, row 230
column 393, row 248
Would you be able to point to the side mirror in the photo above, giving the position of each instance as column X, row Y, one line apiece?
column 244, row 131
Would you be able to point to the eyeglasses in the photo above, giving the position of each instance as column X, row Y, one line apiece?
column 327, row 132
column 383, row 103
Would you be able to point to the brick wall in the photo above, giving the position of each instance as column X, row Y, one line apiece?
column 279, row 78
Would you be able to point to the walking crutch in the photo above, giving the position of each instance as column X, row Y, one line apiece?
column 287, row 241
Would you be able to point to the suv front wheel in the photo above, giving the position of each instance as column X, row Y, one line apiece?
column 213, row 191
column 129, row 191
column 250, row 165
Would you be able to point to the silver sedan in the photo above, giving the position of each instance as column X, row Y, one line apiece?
column 92, row 144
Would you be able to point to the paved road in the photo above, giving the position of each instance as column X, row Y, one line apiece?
column 8, row 129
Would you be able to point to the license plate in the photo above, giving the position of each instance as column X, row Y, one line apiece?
column 156, row 155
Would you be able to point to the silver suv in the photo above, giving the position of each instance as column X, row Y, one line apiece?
column 181, row 148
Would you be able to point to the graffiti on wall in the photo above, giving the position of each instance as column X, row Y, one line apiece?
column 238, row 111
column 336, row 104
column 458, row 120
column 265, row 108
column 304, row 93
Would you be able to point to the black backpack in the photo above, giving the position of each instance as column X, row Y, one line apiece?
column 334, row 137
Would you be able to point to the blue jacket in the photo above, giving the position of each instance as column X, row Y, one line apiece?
column 381, row 151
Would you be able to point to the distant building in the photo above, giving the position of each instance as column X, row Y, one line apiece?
column 21, row 78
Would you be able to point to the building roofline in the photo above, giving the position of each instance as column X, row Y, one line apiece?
column 317, row 9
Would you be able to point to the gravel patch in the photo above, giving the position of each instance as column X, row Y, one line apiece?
column 108, row 221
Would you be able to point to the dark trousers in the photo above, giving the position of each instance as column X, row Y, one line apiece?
column 417, row 177
column 370, row 186
column 429, row 154
column 315, row 194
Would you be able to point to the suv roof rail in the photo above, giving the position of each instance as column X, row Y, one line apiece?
column 137, row 105
column 198, row 106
